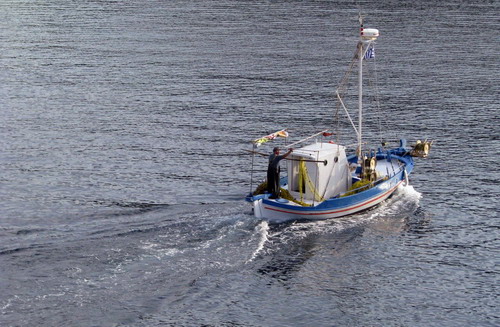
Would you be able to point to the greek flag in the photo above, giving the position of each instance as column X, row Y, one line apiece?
column 370, row 53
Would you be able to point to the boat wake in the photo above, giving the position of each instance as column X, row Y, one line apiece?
column 221, row 236
column 262, row 234
column 395, row 211
column 409, row 192
column 404, row 201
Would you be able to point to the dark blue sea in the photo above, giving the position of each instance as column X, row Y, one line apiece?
column 123, row 170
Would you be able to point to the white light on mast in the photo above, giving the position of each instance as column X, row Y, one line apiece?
column 369, row 34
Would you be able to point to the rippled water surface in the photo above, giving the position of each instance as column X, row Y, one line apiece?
column 122, row 134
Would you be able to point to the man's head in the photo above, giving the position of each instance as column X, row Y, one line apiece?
column 276, row 150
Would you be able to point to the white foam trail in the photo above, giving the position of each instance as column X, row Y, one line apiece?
column 409, row 191
column 405, row 199
column 262, row 230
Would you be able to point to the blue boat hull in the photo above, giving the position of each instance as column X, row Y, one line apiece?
column 280, row 210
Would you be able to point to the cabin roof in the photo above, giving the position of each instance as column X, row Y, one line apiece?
column 317, row 150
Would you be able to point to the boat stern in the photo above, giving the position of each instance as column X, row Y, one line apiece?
column 258, row 209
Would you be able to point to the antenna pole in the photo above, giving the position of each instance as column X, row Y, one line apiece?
column 360, row 88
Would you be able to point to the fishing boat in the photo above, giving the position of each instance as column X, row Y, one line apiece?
column 323, row 179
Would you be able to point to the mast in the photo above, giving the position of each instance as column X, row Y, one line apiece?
column 366, row 37
column 360, row 88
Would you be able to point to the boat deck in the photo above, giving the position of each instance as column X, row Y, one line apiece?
column 388, row 167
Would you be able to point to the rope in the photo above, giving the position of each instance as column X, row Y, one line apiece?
column 304, row 177
column 343, row 90
column 377, row 100
column 308, row 138
column 301, row 181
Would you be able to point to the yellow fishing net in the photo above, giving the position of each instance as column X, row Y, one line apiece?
column 284, row 194
column 359, row 186
column 304, row 178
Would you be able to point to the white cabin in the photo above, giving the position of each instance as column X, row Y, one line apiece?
column 318, row 181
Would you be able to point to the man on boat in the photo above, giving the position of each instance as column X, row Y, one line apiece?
column 273, row 172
